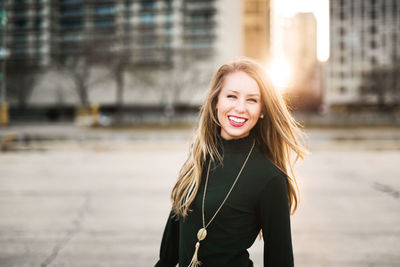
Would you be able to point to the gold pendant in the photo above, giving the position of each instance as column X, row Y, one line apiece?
column 201, row 234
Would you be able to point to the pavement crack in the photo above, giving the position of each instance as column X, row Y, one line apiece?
column 391, row 191
column 74, row 228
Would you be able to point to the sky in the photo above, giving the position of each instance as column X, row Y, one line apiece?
column 320, row 8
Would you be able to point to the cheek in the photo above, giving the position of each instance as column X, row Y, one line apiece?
column 221, row 107
column 257, row 111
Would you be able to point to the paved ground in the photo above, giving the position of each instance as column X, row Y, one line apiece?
column 100, row 198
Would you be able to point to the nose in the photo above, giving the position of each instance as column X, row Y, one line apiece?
column 240, row 106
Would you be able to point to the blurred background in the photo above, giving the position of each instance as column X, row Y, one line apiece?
column 99, row 99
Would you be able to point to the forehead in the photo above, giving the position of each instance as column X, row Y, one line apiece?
column 240, row 82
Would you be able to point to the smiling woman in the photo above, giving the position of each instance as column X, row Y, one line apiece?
column 235, row 182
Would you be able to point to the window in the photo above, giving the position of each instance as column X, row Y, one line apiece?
column 148, row 4
column 71, row 24
column 372, row 14
column 72, row 37
column 71, row 1
column 168, row 3
column 342, row 15
column 20, row 50
column 19, row 13
column 372, row 44
column 147, row 18
column 20, row 37
column 104, row 23
column 201, row 44
column 251, row 7
column 168, row 17
column 105, row 10
column 372, row 29
column 38, row 23
column 342, row 46
column 20, row 24
column 71, row 12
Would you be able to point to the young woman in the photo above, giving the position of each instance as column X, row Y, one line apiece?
column 237, row 181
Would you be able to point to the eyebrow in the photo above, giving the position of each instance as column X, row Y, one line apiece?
column 234, row 91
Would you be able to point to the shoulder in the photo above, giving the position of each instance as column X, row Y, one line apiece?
column 261, row 173
column 264, row 167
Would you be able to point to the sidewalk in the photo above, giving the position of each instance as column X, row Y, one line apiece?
column 334, row 138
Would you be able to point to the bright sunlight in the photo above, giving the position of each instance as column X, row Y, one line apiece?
column 280, row 72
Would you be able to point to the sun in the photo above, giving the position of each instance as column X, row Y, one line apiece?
column 280, row 72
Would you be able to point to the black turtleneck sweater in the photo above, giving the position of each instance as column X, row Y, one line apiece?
column 259, row 201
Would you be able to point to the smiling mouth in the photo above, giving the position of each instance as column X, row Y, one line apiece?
column 237, row 121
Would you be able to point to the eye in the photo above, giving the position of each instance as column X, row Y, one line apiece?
column 253, row 100
column 231, row 96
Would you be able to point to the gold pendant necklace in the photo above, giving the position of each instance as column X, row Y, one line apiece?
column 202, row 233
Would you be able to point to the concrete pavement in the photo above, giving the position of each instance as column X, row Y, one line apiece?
column 102, row 198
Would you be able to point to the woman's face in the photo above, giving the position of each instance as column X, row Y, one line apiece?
column 238, row 105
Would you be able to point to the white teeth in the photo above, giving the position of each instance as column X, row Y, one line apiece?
column 238, row 120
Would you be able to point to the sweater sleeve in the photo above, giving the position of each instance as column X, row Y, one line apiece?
column 275, row 223
column 169, row 251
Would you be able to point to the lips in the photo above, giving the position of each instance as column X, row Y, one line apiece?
column 236, row 121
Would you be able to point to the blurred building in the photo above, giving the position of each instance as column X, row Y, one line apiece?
column 257, row 29
column 300, row 47
column 40, row 32
column 179, row 35
column 364, row 54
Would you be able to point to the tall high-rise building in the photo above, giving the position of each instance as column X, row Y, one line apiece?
column 364, row 53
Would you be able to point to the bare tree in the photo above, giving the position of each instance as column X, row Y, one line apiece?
column 117, row 63
column 79, row 67
column 20, row 83
column 176, row 85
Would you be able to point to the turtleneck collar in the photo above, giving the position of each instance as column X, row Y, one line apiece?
column 236, row 145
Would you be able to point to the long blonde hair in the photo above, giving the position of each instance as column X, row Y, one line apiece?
column 277, row 135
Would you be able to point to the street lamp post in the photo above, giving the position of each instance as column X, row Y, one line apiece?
column 3, row 54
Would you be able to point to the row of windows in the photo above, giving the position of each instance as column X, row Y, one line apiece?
column 372, row 60
column 365, row 2
column 361, row 89
column 144, row 4
column 372, row 14
column 373, row 43
column 109, row 22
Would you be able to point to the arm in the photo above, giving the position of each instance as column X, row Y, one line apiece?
column 275, row 223
column 169, row 251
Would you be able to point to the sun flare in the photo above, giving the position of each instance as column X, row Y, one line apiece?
column 280, row 72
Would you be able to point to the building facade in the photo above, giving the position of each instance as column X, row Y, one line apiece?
column 152, row 34
column 364, row 53
column 300, row 45
column 257, row 29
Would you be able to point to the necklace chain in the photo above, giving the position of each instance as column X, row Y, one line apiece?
column 229, row 192
column 202, row 233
